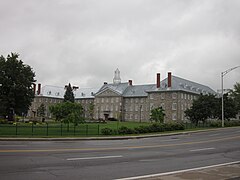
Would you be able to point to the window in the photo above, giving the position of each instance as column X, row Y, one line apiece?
column 116, row 108
column 183, row 116
column 131, row 109
column 174, row 116
column 111, row 107
column 185, row 96
column 181, row 95
column 131, row 116
column 174, row 106
column 112, row 100
column 182, row 106
column 151, row 96
column 106, row 100
column 188, row 97
column 117, row 100
column 136, row 116
column 174, row 95
column 102, row 100
column 151, row 106
column 136, row 107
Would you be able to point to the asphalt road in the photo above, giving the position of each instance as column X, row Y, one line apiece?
column 116, row 159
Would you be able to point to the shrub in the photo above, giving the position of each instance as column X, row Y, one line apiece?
column 3, row 121
column 232, row 123
column 112, row 119
column 156, row 127
column 215, row 124
column 107, row 131
column 141, row 129
column 125, row 130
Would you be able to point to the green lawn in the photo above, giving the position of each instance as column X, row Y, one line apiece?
column 58, row 129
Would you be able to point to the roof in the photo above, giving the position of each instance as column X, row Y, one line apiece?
column 138, row 90
column 58, row 92
column 180, row 84
column 118, row 88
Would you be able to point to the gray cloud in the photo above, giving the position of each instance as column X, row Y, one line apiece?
column 84, row 41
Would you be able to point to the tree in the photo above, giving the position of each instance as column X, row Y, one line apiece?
column 202, row 108
column 41, row 111
column 68, row 112
column 91, row 110
column 235, row 94
column 230, row 107
column 16, row 80
column 69, row 96
column 157, row 115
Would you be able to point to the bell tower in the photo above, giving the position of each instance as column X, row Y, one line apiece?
column 117, row 79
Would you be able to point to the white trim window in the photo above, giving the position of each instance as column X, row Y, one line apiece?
column 174, row 95
column 174, row 106
column 174, row 116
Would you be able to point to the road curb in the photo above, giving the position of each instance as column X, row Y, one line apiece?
column 108, row 138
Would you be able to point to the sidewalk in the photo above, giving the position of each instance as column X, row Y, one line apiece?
column 228, row 172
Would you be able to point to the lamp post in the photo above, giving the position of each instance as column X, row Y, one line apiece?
column 222, row 75
column 140, row 113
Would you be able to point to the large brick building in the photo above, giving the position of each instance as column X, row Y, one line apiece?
column 129, row 102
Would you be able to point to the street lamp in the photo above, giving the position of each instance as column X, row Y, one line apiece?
column 223, row 74
column 140, row 113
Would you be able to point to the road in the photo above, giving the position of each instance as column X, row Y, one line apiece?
column 116, row 159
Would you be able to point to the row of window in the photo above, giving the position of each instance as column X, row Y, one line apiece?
column 107, row 100
column 174, row 96
column 50, row 100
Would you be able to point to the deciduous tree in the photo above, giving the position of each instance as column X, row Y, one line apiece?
column 157, row 115
column 16, row 80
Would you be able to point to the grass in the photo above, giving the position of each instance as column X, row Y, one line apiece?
column 61, row 130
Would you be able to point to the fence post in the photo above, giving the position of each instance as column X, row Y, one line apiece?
column 47, row 129
column 61, row 128
column 98, row 129
column 16, row 129
column 32, row 129
column 86, row 129
column 74, row 128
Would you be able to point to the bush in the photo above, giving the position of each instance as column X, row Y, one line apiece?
column 141, row 129
column 107, row 131
column 3, row 121
column 125, row 130
column 215, row 124
column 232, row 123
column 112, row 119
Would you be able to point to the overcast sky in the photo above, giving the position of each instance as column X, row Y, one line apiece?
column 84, row 41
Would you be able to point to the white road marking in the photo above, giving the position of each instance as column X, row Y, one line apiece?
column 89, row 158
column 179, row 171
column 12, row 145
column 204, row 149
column 214, row 135
column 169, row 140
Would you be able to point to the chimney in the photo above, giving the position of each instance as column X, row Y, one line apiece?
column 105, row 83
column 169, row 79
column 158, row 80
column 39, row 89
column 130, row 82
column 34, row 88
